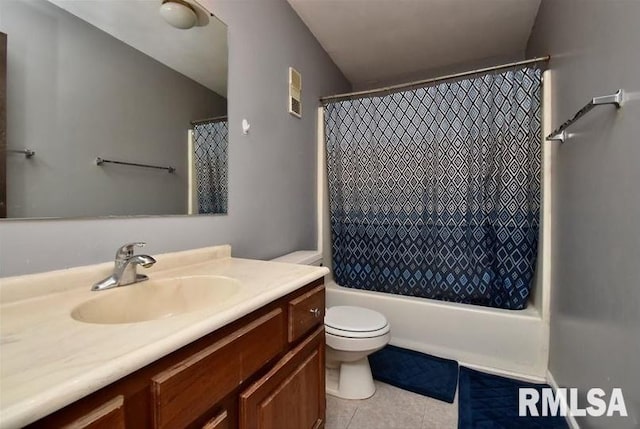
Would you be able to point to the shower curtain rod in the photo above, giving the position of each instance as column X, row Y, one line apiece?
column 208, row 120
column 418, row 83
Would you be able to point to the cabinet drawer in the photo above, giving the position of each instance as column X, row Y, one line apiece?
column 190, row 388
column 221, row 421
column 109, row 415
column 306, row 312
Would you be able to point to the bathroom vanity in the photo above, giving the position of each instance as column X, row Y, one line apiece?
column 253, row 360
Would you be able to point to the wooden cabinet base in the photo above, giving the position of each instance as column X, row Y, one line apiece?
column 201, row 385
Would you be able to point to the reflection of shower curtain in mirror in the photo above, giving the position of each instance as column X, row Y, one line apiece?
column 435, row 192
column 210, row 150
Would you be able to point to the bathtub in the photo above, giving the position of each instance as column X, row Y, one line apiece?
column 506, row 342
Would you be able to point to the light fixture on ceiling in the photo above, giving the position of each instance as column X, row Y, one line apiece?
column 184, row 14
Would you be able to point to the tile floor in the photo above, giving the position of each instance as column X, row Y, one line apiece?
column 391, row 408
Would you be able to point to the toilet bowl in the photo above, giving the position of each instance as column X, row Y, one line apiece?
column 352, row 334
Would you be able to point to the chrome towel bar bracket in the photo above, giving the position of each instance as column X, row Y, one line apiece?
column 560, row 135
column 28, row 153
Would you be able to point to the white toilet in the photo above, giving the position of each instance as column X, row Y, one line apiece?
column 352, row 334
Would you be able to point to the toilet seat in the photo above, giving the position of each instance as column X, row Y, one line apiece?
column 352, row 334
column 355, row 322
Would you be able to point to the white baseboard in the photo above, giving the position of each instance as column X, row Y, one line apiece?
column 509, row 374
column 571, row 421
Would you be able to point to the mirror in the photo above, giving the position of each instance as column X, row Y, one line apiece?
column 111, row 111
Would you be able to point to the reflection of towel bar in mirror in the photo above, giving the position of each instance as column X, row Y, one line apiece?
column 100, row 161
column 560, row 135
column 28, row 153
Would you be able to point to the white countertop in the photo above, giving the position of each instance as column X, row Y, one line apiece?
column 49, row 360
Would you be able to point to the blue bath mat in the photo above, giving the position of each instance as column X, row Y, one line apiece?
column 416, row 372
column 491, row 402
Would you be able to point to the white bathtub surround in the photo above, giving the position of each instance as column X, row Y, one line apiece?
column 50, row 360
column 505, row 342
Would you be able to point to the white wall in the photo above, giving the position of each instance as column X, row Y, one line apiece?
column 271, row 172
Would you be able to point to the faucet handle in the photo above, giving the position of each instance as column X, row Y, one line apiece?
column 127, row 250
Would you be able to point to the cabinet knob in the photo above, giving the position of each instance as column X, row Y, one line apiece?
column 315, row 312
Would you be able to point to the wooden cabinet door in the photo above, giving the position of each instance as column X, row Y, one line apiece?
column 292, row 394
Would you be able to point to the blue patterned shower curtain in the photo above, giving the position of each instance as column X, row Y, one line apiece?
column 210, row 144
column 435, row 192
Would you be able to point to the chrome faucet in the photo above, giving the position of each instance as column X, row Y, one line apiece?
column 124, row 270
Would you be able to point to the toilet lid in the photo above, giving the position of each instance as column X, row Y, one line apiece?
column 354, row 319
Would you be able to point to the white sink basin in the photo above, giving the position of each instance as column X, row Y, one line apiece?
column 156, row 299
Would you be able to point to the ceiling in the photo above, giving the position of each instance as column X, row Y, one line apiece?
column 139, row 24
column 382, row 40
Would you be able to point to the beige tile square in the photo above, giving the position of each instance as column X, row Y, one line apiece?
column 391, row 397
column 440, row 415
column 339, row 412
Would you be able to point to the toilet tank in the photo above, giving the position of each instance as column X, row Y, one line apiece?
column 302, row 257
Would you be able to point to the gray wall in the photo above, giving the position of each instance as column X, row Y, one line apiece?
column 441, row 71
column 595, row 316
column 271, row 172
column 74, row 93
